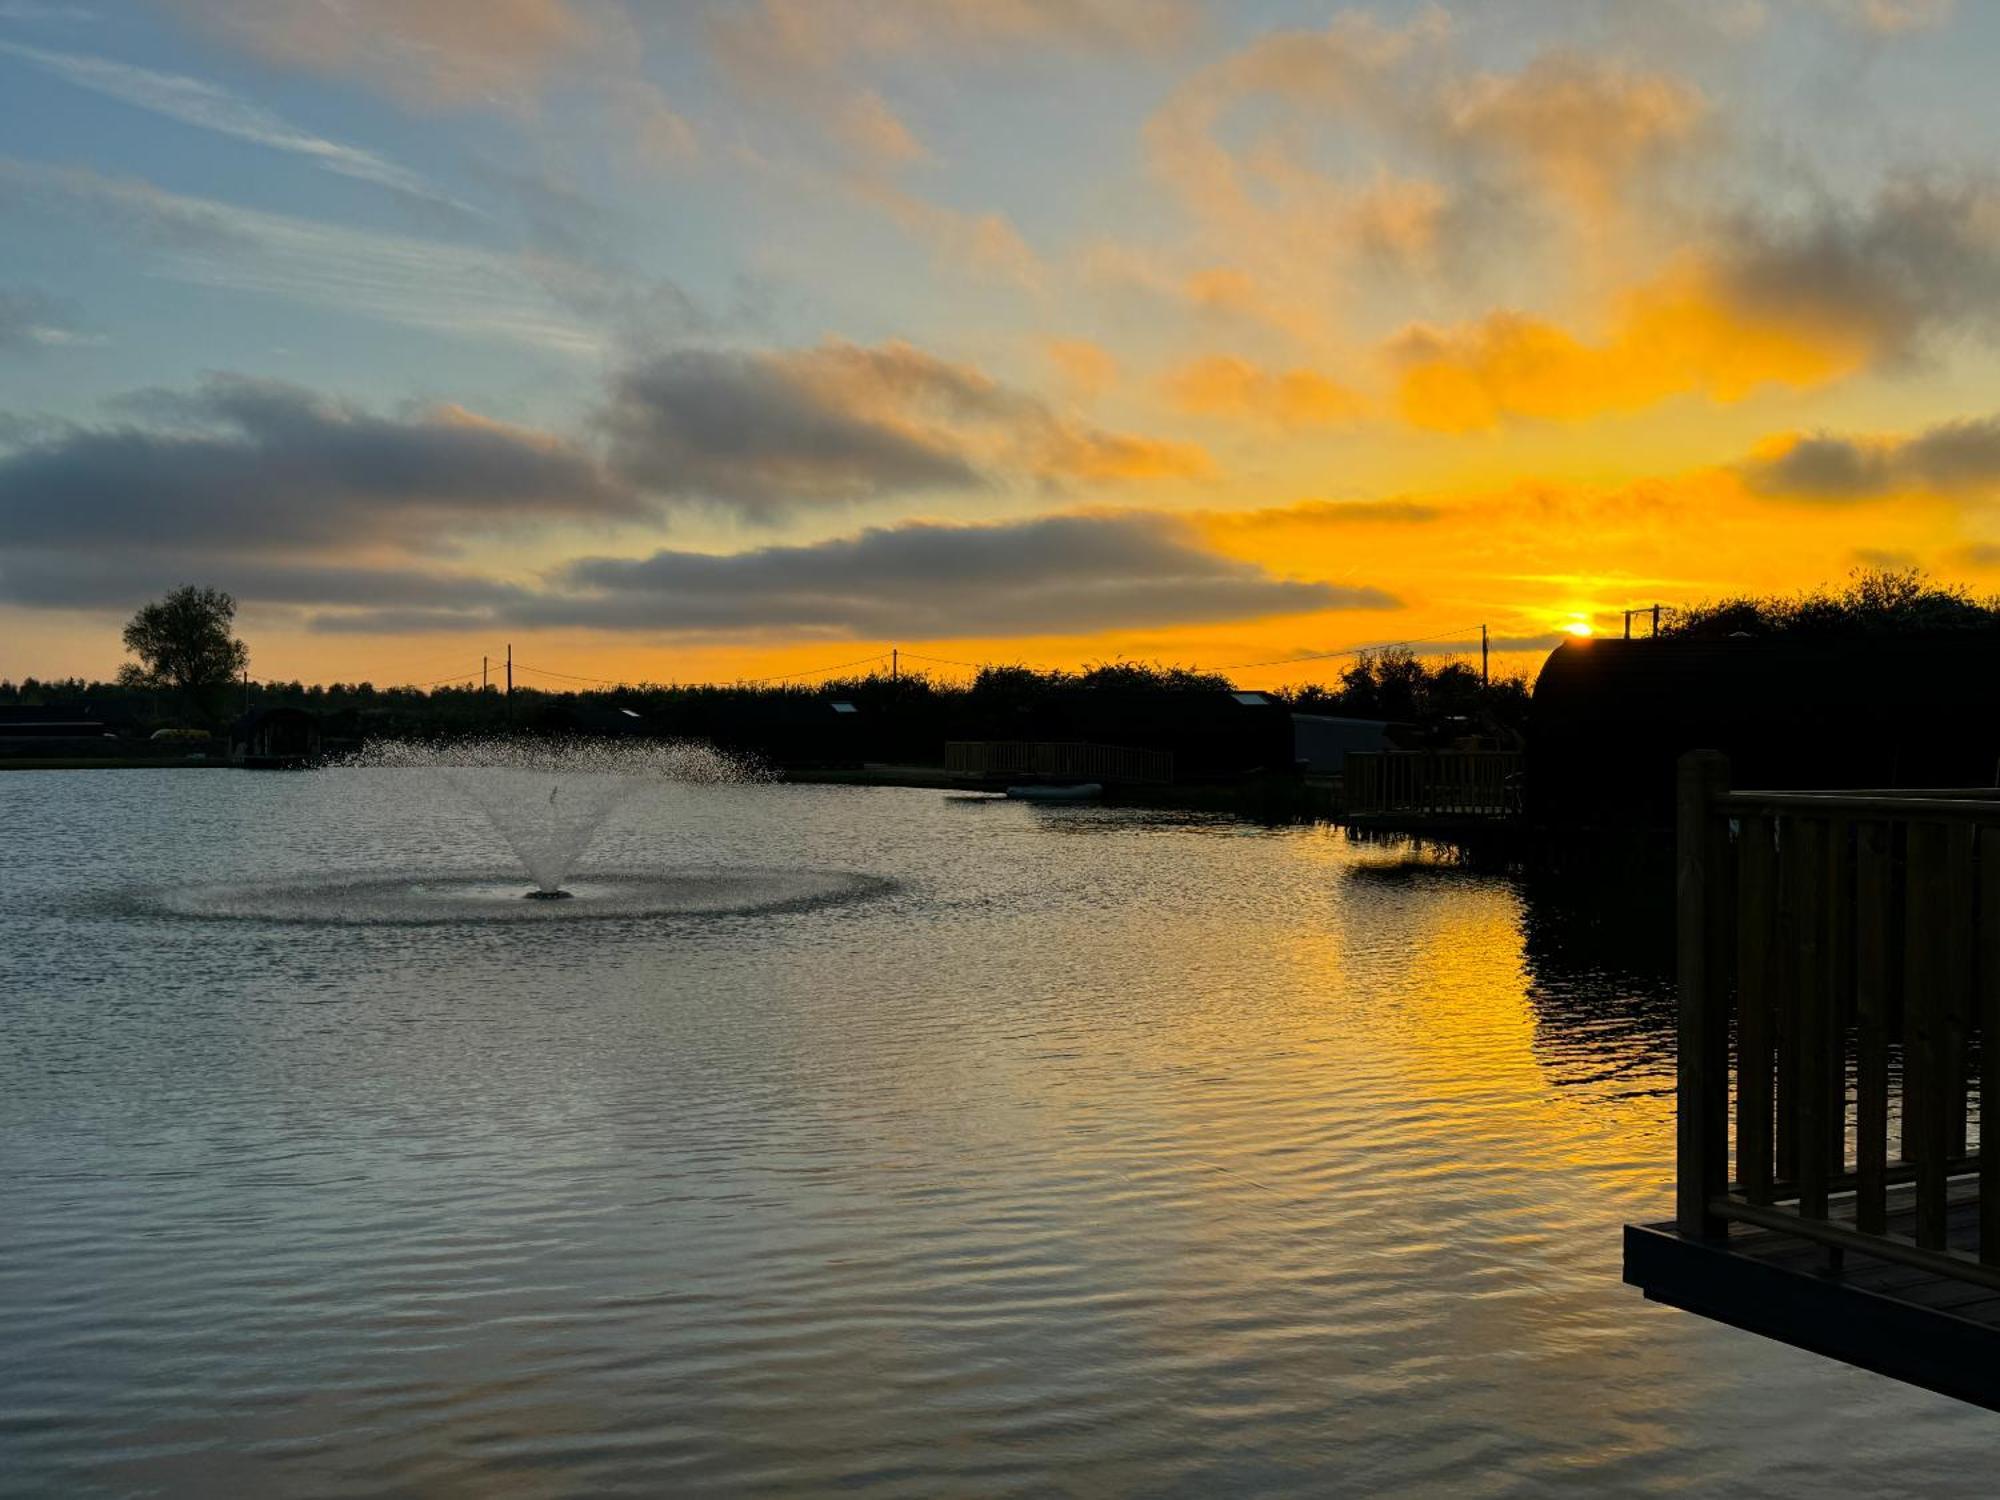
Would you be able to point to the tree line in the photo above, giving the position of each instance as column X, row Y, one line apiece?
column 190, row 671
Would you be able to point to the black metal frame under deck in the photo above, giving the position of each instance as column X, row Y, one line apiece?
column 1788, row 1294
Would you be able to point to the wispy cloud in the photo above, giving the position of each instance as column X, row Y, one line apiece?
column 28, row 11
column 28, row 320
column 461, row 290
column 208, row 107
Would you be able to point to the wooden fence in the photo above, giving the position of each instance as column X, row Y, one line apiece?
column 1853, row 940
column 1461, row 783
column 1073, row 760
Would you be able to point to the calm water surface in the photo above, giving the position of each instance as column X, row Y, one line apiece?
column 1095, row 1153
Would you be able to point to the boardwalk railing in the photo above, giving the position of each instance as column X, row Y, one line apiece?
column 1853, row 939
column 1461, row 783
column 1078, row 760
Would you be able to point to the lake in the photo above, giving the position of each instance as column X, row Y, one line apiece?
column 1074, row 1150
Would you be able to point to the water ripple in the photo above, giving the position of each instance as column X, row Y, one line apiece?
column 1092, row 1153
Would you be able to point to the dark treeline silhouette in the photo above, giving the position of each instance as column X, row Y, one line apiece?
column 1874, row 602
column 910, row 715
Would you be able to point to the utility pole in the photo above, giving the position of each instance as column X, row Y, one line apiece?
column 510, row 684
column 894, row 662
column 1656, row 619
column 482, row 674
column 1483, row 679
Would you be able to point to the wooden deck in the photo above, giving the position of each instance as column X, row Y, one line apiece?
column 1911, row 1323
column 1839, row 1039
column 1471, row 798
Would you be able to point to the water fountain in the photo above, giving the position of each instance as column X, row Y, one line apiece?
column 546, row 799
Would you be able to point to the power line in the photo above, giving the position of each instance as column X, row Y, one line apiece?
column 813, row 671
column 570, row 676
column 440, row 682
column 746, row 681
column 1284, row 661
column 948, row 661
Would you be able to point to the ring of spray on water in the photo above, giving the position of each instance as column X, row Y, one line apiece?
column 546, row 798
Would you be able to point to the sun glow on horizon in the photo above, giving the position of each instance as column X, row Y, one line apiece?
column 1369, row 329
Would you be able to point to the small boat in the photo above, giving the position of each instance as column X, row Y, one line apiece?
column 1083, row 791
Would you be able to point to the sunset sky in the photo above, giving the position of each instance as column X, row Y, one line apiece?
column 696, row 340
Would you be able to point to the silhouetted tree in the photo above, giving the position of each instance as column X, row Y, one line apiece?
column 184, row 643
column 1876, row 601
column 1396, row 684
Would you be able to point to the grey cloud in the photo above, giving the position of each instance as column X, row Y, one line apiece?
column 28, row 320
column 1541, row 642
column 769, row 431
column 1952, row 458
column 1885, row 558
column 757, row 431
column 1458, row 649
column 246, row 464
column 1049, row 574
column 1338, row 513
column 116, row 581
column 1919, row 264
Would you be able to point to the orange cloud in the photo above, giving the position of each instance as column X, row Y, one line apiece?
column 1892, row 17
column 1222, row 385
column 1068, row 451
column 1682, row 333
column 798, row 55
column 1088, row 368
column 984, row 246
column 450, row 52
column 1585, row 127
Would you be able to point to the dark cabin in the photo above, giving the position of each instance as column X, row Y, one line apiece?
column 1321, row 743
column 1611, row 717
column 268, row 739
column 782, row 729
column 1213, row 735
column 598, row 720
column 54, row 721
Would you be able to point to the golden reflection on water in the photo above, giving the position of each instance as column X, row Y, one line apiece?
column 1103, row 1152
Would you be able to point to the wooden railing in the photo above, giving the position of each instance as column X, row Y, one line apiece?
column 1854, row 940
column 1464, row 783
column 1078, row 760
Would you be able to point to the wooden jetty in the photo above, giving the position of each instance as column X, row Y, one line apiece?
column 997, row 762
column 1839, row 973
column 1442, row 794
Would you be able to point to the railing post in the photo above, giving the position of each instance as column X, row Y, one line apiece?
column 1702, row 1127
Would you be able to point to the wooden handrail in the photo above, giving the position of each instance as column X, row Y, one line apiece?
column 1833, row 932
column 1461, row 783
column 1080, row 760
column 1904, row 805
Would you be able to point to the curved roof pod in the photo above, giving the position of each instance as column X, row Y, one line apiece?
column 1610, row 718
